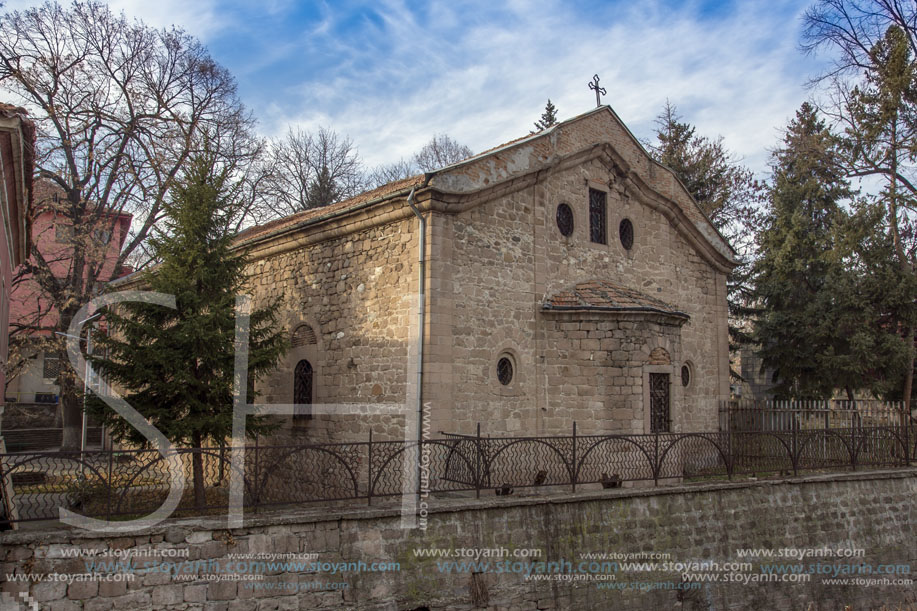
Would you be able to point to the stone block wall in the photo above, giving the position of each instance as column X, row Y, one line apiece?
column 873, row 512
column 357, row 292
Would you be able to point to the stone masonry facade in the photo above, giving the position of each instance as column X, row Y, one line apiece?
column 353, row 292
column 494, row 258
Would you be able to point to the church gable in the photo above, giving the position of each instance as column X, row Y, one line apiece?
column 596, row 135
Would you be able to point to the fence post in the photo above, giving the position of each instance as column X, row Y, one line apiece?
column 573, row 472
column 907, row 434
column 477, row 464
column 855, row 430
column 111, row 485
column 369, row 466
column 656, row 458
column 795, row 444
column 222, row 462
column 255, row 485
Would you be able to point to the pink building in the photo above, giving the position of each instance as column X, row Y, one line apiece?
column 53, row 236
column 17, row 141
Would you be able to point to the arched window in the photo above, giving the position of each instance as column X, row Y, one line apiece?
column 597, row 217
column 302, row 390
column 505, row 371
column 626, row 233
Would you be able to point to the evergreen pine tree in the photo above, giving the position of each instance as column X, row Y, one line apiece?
column 548, row 117
column 722, row 188
column 176, row 365
column 799, row 271
column 322, row 190
column 868, row 296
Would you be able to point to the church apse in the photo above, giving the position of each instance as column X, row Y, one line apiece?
column 610, row 360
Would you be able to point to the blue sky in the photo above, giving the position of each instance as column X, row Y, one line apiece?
column 390, row 74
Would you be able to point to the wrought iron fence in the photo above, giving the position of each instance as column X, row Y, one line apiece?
column 120, row 484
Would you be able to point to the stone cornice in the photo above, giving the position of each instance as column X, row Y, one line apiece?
column 630, row 314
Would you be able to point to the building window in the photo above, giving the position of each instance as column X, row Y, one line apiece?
column 505, row 370
column 63, row 233
column 565, row 220
column 304, row 335
column 660, row 421
column 101, row 236
column 302, row 390
column 626, row 233
column 51, row 367
column 685, row 375
column 597, row 221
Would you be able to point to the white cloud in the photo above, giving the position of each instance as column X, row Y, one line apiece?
column 485, row 81
column 202, row 18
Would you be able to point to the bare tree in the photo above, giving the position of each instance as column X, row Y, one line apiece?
column 851, row 29
column 119, row 108
column 245, row 159
column 440, row 152
column 399, row 170
column 313, row 170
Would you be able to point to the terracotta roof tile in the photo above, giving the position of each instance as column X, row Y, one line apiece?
column 603, row 295
column 306, row 215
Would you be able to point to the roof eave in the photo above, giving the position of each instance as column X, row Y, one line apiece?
column 281, row 231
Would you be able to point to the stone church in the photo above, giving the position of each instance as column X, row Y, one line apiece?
column 564, row 276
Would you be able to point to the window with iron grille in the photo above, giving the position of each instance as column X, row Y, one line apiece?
column 565, row 220
column 597, row 217
column 51, row 367
column 302, row 390
column 505, row 370
column 660, row 421
column 626, row 233
column 685, row 375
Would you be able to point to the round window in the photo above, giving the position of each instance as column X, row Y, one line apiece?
column 685, row 375
column 565, row 220
column 505, row 370
column 626, row 232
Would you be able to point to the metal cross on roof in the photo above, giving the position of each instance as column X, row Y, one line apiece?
column 599, row 91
